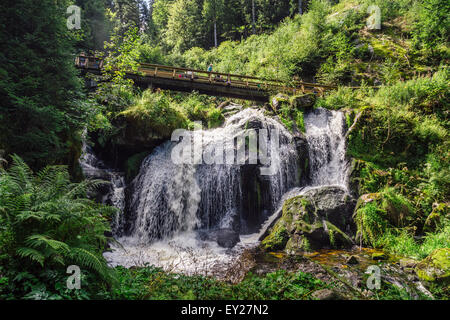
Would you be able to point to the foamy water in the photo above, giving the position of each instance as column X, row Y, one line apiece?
column 165, row 236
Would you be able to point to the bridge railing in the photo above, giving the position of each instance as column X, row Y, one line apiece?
column 211, row 77
column 231, row 79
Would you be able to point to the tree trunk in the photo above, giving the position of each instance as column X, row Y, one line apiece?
column 215, row 34
column 300, row 10
column 253, row 17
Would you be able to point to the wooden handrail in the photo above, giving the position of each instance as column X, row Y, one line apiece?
column 251, row 82
column 308, row 84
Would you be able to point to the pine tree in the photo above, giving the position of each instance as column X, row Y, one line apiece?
column 40, row 114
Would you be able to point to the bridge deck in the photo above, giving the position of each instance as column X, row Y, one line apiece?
column 213, row 83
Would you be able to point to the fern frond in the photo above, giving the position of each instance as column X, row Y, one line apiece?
column 37, row 240
column 32, row 254
column 90, row 260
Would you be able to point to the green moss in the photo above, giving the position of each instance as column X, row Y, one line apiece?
column 337, row 236
column 299, row 120
column 435, row 267
column 258, row 193
column 277, row 239
column 379, row 256
column 157, row 113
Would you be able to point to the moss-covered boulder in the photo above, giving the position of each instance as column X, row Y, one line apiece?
column 277, row 239
column 279, row 100
column 313, row 220
column 303, row 101
column 379, row 256
column 435, row 267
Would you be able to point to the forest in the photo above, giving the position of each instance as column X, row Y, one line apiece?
column 363, row 178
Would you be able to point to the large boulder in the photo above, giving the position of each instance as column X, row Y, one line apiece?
column 317, row 218
column 304, row 101
column 300, row 102
column 435, row 267
column 279, row 100
column 226, row 238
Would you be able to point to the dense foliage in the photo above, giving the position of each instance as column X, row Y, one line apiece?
column 399, row 140
column 41, row 109
column 405, row 168
column 46, row 225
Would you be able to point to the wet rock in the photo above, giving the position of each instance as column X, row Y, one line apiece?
column 314, row 220
column 352, row 260
column 326, row 294
column 379, row 256
column 226, row 238
column 231, row 109
column 278, row 100
column 224, row 104
column 406, row 263
column 304, row 101
column 435, row 267
column 368, row 293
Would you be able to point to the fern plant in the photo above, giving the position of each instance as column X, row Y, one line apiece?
column 47, row 222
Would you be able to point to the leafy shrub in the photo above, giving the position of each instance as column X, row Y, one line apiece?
column 344, row 97
column 47, row 225
column 201, row 108
column 156, row 112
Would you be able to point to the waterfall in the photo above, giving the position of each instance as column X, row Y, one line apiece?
column 170, row 198
column 112, row 193
column 173, row 208
column 325, row 133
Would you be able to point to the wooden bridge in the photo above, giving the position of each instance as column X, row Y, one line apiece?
column 211, row 83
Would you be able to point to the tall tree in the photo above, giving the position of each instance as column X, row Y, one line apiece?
column 253, row 17
column 184, row 26
column 127, row 13
column 160, row 15
column 213, row 11
column 95, row 26
column 40, row 114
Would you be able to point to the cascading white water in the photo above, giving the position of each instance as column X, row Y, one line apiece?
column 114, row 194
column 165, row 197
column 169, row 198
column 325, row 133
column 328, row 164
column 170, row 201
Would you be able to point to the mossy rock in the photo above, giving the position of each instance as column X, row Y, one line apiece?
column 277, row 239
column 435, row 267
column 279, row 100
column 306, row 222
column 379, row 256
column 303, row 101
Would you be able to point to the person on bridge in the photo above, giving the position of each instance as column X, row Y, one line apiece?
column 210, row 68
column 82, row 59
